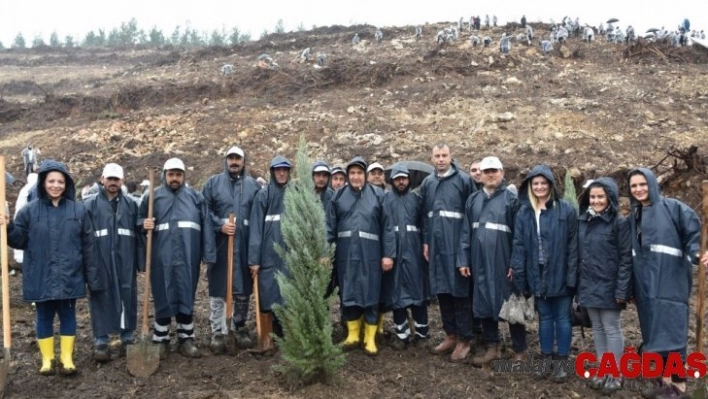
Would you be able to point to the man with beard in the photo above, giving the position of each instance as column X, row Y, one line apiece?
column 476, row 174
column 366, row 247
column 231, row 191
column 183, row 238
column 485, row 256
column 320, row 176
column 266, row 215
column 444, row 195
column 114, row 218
column 406, row 286
column 338, row 178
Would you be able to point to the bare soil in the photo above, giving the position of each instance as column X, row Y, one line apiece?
column 596, row 109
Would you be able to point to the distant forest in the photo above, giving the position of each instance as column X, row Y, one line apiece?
column 130, row 35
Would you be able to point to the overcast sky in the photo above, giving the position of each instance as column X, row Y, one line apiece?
column 77, row 17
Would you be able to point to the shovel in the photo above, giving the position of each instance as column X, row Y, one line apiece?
column 231, row 339
column 143, row 358
column 264, row 325
column 5, row 362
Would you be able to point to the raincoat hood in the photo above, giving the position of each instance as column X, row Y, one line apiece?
column 279, row 161
column 50, row 165
column 652, row 184
column 610, row 188
column 357, row 161
column 538, row 170
column 396, row 169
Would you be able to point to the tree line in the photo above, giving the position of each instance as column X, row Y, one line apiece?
column 130, row 35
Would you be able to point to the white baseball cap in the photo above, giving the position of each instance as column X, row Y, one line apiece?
column 113, row 170
column 373, row 166
column 174, row 163
column 490, row 163
column 145, row 183
column 321, row 168
column 235, row 151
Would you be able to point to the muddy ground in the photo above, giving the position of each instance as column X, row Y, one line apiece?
column 596, row 109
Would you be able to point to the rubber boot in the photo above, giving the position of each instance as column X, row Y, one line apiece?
column 46, row 348
column 370, row 339
column 67, row 354
column 353, row 334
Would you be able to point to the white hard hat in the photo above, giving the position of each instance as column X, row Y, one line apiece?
column 174, row 163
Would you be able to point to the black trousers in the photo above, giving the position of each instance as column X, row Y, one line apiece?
column 490, row 329
column 456, row 314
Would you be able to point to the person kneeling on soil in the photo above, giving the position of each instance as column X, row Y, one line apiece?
column 60, row 259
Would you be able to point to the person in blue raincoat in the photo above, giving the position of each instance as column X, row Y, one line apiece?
column 444, row 194
column 59, row 260
column 321, row 175
column 365, row 249
column 544, row 260
column 183, row 237
column 665, row 242
column 231, row 191
column 406, row 285
column 605, row 270
column 485, row 253
column 114, row 218
column 265, row 221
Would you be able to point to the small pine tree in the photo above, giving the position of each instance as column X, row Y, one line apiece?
column 54, row 39
column 38, row 41
column 19, row 42
column 569, row 193
column 308, row 352
column 280, row 26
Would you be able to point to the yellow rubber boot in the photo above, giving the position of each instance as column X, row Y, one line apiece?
column 353, row 334
column 67, row 354
column 46, row 348
column 370, row 339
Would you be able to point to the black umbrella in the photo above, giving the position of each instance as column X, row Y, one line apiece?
column 652, row 30
column 417, row 171
column 612, row 20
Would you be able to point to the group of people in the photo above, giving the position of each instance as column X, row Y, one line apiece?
column 469, row 240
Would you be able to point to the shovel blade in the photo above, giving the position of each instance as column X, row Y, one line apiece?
column 142, row 359
column 4, row 368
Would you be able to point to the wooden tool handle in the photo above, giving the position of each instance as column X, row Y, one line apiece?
column 256, row 295
column 7, row 338
column 230, row 273
column 700, row 312
column 148, row 255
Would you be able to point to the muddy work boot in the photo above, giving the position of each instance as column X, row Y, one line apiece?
column 217, row 345
column 462, row 349
column 101, row 353
column 243, row 340
column 163, row 348
column 188, row 348
column 446, row 346
column 491, row 354
column 46, row 349
column 545, row 367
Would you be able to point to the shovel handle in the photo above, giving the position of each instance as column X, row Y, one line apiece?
column 148, row 256
column 7, row 339
column 230, row 274
column 256, row 295
column 700, row 312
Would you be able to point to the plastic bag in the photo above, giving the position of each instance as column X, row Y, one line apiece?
column 517, row 309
